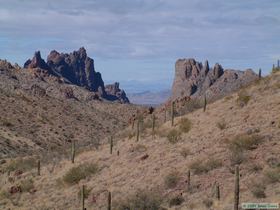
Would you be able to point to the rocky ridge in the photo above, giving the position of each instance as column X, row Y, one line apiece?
column 193, row 79
column 78, row 69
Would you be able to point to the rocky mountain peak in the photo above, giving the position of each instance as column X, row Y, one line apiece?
column 194, row 79
column 76, row 68
column 36, row 62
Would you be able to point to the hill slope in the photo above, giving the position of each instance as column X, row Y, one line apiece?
column 239, row 129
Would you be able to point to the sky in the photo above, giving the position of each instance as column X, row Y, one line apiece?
column 137, row 42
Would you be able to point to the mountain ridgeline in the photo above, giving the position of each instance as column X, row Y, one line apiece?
column 78, row 69
column 193, row 79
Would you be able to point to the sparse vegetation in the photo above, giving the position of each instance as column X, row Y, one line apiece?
column 185, row 152
column 174, row 136
column 244, row 142
column 243, row 98
column 176, row 201
column 144, row 200
column 75, row 174
column 171, row 180
column 207, row 202
column 86, row 193
column 199, row 166
column 185, row 125
column 21, row 164
column 27, row 185
column 221, row 124
column 257, row 188
column 272, row 176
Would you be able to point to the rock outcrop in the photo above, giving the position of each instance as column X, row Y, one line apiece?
column 77, row 68
column 114, row 92
column 194, row 79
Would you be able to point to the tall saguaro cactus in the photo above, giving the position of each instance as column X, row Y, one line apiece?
column 109, row 201
column 83, row 197
column 189, row 180
column 278, row 63
column 38, row 167
column 138, row 130
column 172, row 112
column 153, row 125
column 217, row 191
column 73, row 151
column 205, row 103
column 236, row 188
column 164, row 115
column 111, row 145
column 260, row 73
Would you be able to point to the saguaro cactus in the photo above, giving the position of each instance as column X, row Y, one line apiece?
column 205, row 103
column 278, row 63
column 138, row 130
column 83, row 197
column 73, row 151
column 189, row 180
column 109, row 201
column 236, row 188
column 172, row 113
column 217, row 191
column 164, row 115
column 260, row 73
column 38, row 167
column 153, row 125
column 111, row 145
column 133, row 121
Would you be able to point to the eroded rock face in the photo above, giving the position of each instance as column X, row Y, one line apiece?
column 115, row 93
column 36, row 62
column 194, row 79
column 77, row 68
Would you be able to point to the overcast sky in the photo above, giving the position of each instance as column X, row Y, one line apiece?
column 140, row 40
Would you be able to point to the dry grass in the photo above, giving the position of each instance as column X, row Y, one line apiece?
column 174, row 136
column 200, row 167
column 75, row 174
column 143, row 200
column 184, row 125
column 272, row 176
column 21, row 164
column 171, row 180
column 221, row 124
column 257, row 188
column 243, row 98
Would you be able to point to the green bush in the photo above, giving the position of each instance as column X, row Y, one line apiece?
column 200, row 167
column 75, row 174
column 174, row 136
column 171, row 180
column 243, row 98
column 185, row 125
column 142, row 200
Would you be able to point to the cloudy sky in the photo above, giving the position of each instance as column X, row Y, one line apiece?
column 138, row 41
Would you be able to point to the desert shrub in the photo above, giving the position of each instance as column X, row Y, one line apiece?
column 7, row 123
column 185, row 125
column 255, row 168
column 275, row 70
column 244, row 142
column 22, row 164
column 273, row 162
column 27, row 185
column 222, row 124
column 243, row 98
column 174, row 136
column 143, row 200
column 86, row 193
column 193, row 104
column 176, row 201
column 257, row 189
column 200, row 167
column 185, row 152
column 207, row 202
column 237, row 157
column 272, row 176
column 138, row 148
column 75, row 174
column 171, row 180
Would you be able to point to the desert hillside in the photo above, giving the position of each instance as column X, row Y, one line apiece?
column 240, row 129
column 40, row 114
